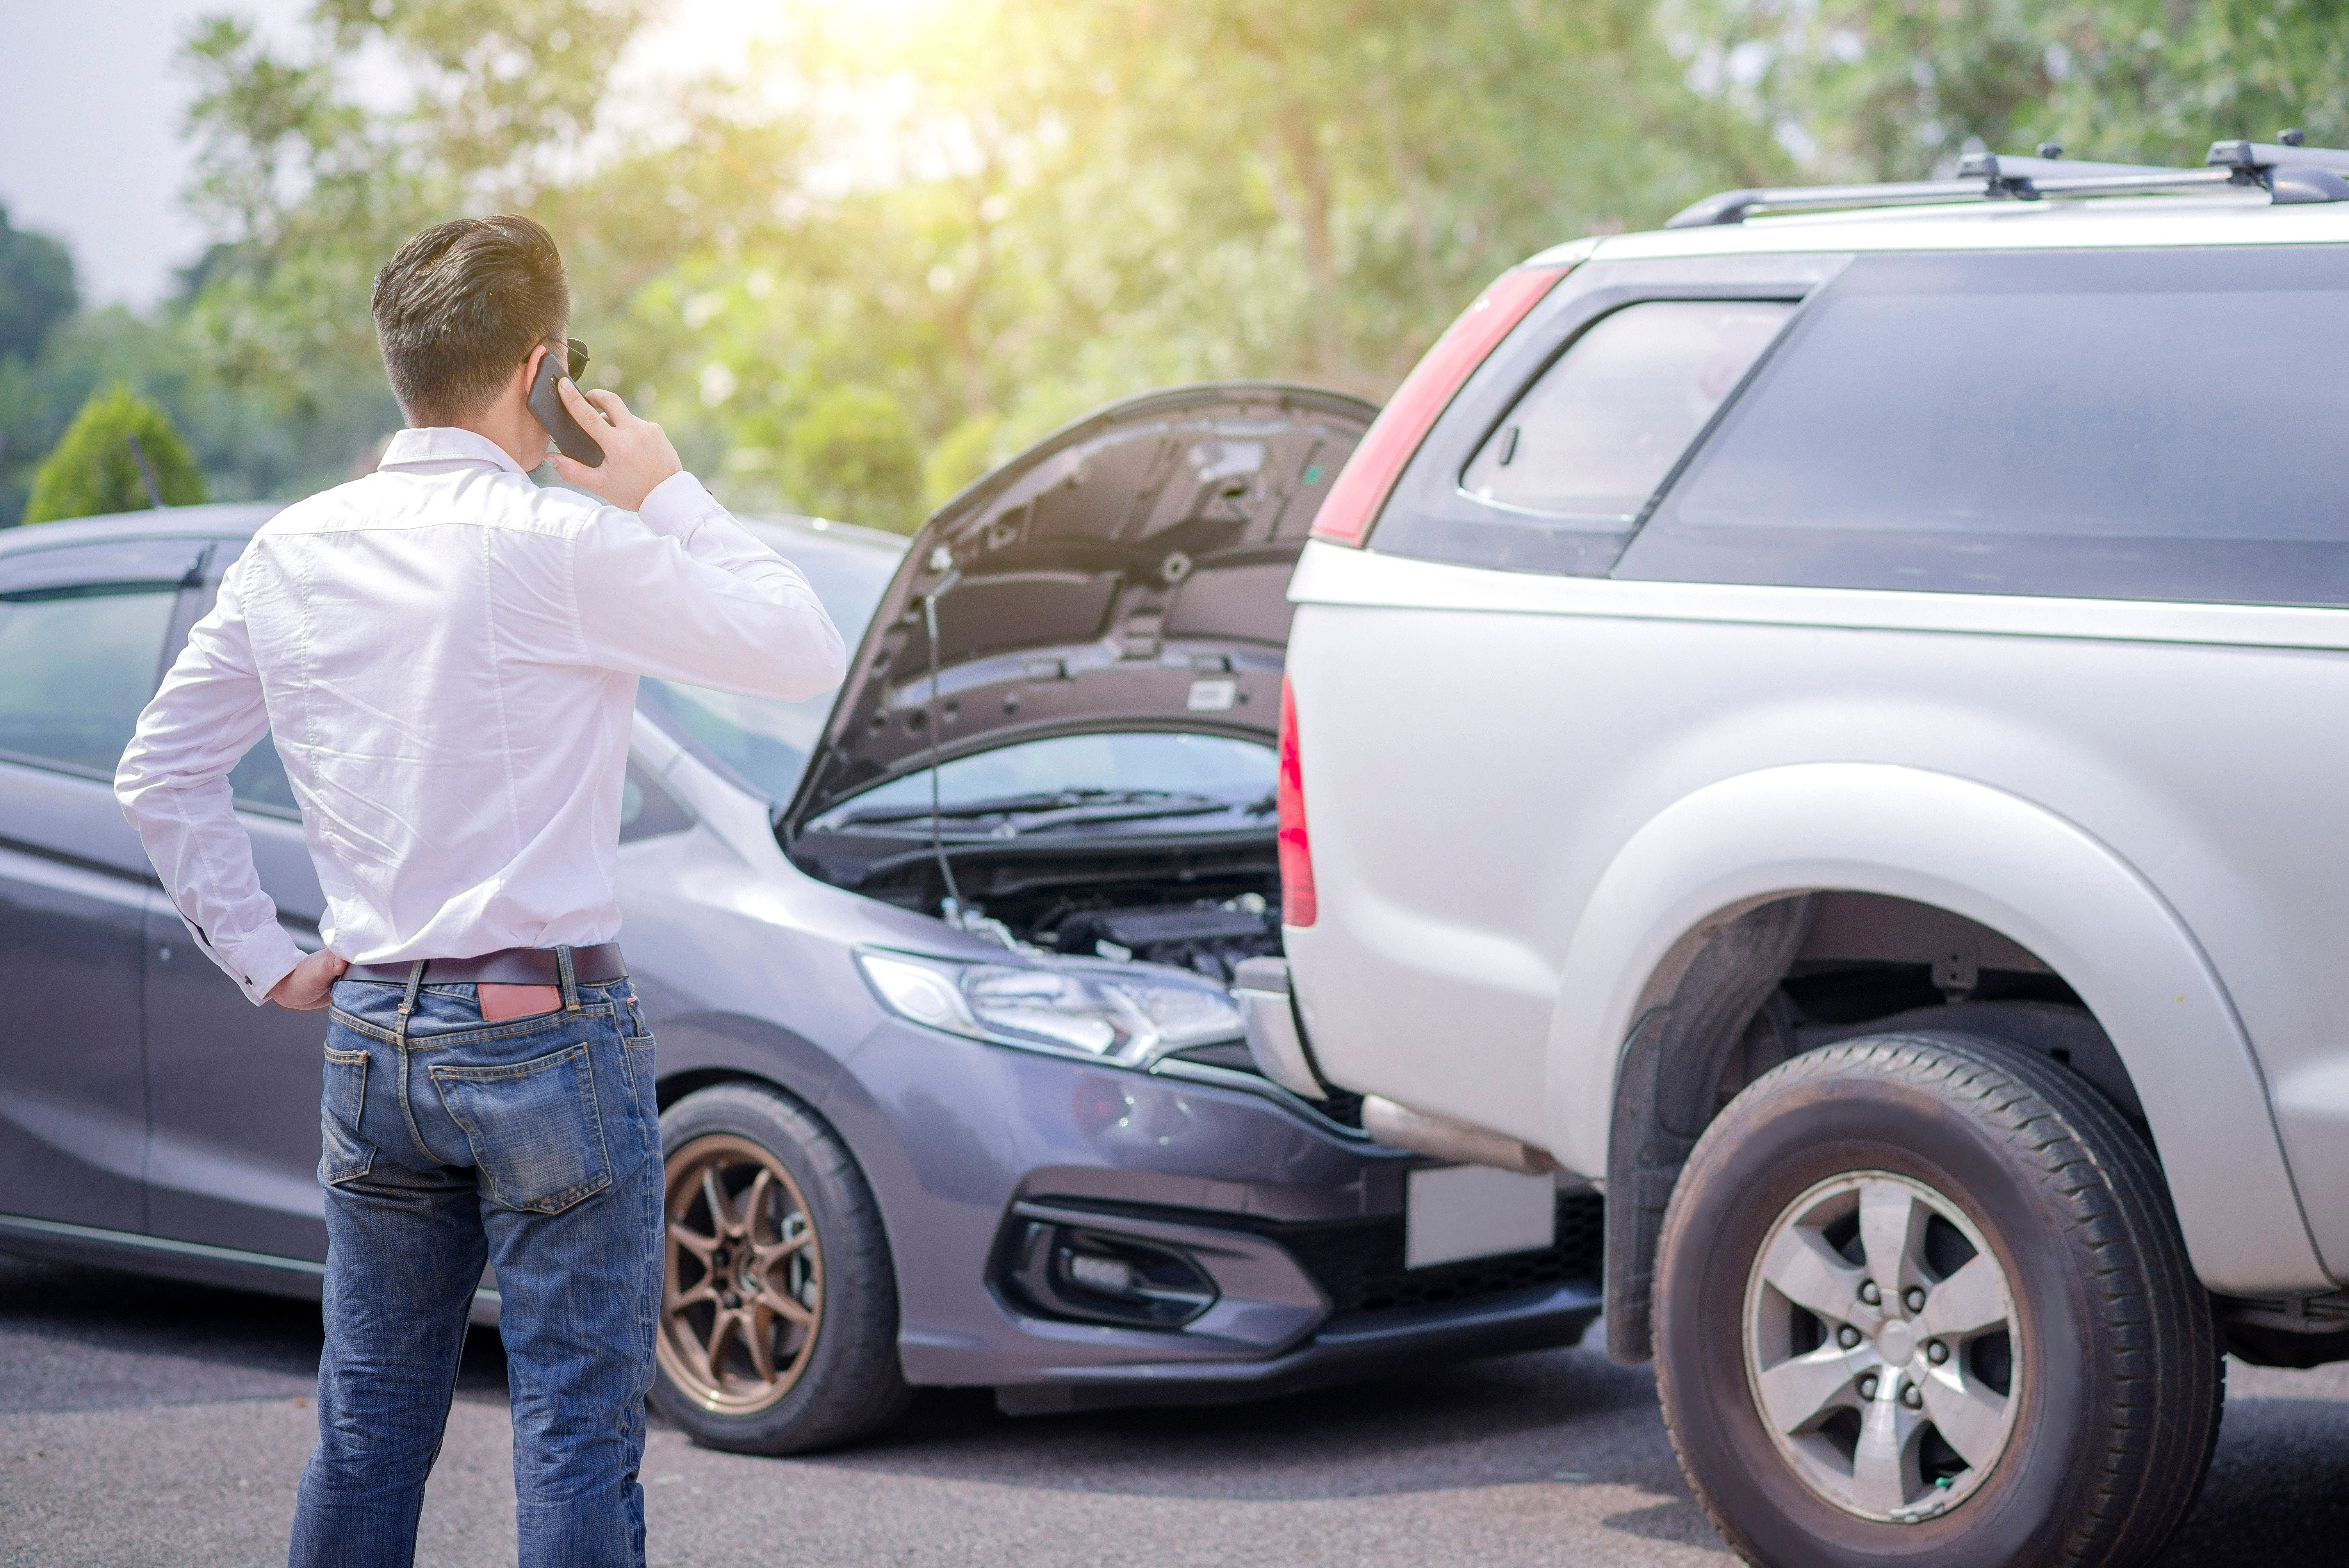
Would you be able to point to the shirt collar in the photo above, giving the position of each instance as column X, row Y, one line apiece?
column 415, row 448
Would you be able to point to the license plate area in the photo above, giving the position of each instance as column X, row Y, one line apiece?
column 1452, row 1213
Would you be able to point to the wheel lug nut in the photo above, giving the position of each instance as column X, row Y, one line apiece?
column 1870, row 1293
column 1867, row 1387
column 1847, row 1336
column 1913, row 1298
column 1936, row 1352
column 1913, row 1397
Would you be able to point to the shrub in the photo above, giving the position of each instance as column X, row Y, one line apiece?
column 856, row 455
column 93, row 469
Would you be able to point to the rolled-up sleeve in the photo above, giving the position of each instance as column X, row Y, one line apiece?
column 680, row 590
column 172, row 783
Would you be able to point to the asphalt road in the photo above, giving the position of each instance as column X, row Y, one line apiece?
column 143, row 1422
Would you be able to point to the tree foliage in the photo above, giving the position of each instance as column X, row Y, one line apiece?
column 115, row 444
column 1891, row 88
column 37, row 289
column 945, row 242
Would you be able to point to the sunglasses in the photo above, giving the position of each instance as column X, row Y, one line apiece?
column 575, row 363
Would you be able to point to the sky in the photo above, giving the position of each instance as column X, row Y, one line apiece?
column 89, row 113
column 90, row 109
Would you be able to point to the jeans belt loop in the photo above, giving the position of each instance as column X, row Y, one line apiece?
column 407, row 1003
column 570, row 979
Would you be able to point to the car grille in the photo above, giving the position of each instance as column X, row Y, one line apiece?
column 1360, row 1266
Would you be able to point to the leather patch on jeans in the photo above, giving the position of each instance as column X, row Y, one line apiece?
column 500, row 1002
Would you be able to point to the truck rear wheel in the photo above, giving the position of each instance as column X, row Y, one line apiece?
column 1921, row 1298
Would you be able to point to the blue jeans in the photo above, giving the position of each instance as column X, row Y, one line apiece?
column 532, row 1144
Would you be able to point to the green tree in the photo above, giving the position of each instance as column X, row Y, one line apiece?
column 37, row 289
column 311, row 186
column 114, row 444
column 1892, row 89
column 1083, row 199
column 856, row 455
column 251, row 437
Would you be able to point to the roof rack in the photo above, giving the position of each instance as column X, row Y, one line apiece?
column 2289, row 171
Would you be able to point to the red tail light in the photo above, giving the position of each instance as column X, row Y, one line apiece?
column 1361, row 486
column 1298, row 904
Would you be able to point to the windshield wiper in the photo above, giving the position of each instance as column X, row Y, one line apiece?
column 1015, row 824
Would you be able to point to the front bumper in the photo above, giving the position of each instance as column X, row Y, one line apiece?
column 1537, row 1319
column 1296, row 1221
column 1297, row 1305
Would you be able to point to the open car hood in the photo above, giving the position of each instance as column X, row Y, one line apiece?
column 1130, row 571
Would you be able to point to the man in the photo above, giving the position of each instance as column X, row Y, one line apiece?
column 447, row 656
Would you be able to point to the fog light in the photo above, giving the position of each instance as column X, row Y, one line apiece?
column 1108, row 1275
column 1092, row 1275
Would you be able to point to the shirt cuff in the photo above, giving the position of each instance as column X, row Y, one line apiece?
column 677, row 506
column 258, row 962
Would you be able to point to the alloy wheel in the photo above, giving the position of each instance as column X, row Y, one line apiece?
column 1882, row 1346
column 743, row 1297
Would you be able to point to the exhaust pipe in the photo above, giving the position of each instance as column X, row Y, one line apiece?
column 1399, row 1127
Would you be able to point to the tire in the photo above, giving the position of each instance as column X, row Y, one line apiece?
column 797, row 1263
column 1944, row 1147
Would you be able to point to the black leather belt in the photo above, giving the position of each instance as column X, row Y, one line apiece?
column 597, row 965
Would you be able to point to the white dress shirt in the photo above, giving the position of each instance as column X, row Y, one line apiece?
column 447, row 656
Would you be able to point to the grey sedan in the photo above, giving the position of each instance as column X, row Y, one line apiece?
column 951, row 1071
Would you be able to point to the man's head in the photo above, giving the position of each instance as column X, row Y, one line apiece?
column 459, row 310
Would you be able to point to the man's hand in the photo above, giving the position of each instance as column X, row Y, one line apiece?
column 309, row 984
column 637, row 454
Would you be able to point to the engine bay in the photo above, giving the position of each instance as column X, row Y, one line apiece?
column 1207, row 938
column 1202, row 902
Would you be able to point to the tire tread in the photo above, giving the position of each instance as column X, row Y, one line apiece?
column 2155, row 1325
column 855, row 1386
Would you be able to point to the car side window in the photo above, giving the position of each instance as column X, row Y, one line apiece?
column 646, row 809
column 2135, row 424
column 75, row 666
column 1595, row 436
column 258, row 781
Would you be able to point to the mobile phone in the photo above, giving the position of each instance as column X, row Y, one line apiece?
column 547, row 404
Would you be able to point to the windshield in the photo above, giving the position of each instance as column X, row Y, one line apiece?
column 765, row 741
column 1129, row 774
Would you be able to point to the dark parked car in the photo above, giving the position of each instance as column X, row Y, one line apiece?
column 949, row 1097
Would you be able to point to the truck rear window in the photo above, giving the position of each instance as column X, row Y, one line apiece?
column 1595, row 436
column 2164, row 425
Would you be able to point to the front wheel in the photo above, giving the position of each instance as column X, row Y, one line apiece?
column 778, row 1329
column 1922, row 1299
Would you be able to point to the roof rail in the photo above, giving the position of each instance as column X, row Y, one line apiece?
column 2289, row 171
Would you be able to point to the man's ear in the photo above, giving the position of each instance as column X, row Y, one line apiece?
column 529, row 378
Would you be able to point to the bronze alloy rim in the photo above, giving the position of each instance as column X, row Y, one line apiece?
column 744, row 1292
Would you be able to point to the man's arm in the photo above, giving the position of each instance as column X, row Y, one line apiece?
column 172, row 783
column 679, row 589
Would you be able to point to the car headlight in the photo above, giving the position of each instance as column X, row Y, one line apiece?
column 1124, row 1012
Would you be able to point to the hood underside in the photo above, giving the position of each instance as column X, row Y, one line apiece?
column 1130, row 572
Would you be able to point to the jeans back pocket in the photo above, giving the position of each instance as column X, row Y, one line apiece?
column 343, row 1154
column 536, row 1129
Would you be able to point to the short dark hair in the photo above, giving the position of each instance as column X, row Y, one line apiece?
column 461, row 304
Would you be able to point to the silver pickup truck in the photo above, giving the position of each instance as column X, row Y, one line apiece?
column 1820, row 723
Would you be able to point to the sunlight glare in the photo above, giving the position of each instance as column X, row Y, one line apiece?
column 694, row 38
